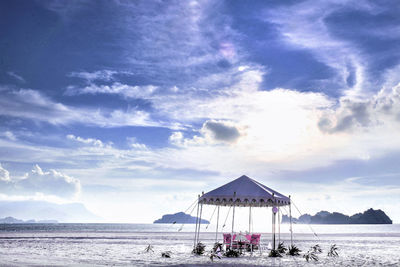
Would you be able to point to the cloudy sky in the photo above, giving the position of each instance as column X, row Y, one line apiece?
column 134, row 107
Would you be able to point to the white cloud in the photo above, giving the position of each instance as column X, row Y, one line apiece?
column 138, row 146
column 315, row 36
column 9, row 135
column 102, row 75
column 176, row 138
column 31, row 104
column 117, row 88
column 50, row 182
column 88, row 141
column 16, row 76
column 4, row 174
column 273, row 129
column 176, row 42
column 66, row 10
column 132, row 142
column 282, row 128
column 269, row 130
column 227, row 103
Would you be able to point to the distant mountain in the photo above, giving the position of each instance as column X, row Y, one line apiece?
column 44, row 211
column 179, row 217
column 11, row 220
column 370, row 216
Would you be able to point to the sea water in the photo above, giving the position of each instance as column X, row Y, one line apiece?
column 124, row 245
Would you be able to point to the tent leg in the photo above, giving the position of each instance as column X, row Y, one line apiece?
column 259, row 245
column 273, row 229
column 233, row 217
column 197, row 220
column 290, row 217
column 249, row 220
column 279, row 225
column 233, row 223
column 251, row 245
column 198, row 229
column 216, row 230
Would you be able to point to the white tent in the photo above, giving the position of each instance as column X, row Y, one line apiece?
column 242, row 192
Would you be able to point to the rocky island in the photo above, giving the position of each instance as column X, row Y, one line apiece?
column 179, row 217
column 370, row 216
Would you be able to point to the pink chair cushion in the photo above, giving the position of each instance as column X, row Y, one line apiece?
column 255, row 239
column 227, row 238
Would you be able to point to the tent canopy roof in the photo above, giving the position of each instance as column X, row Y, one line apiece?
column 244, row 192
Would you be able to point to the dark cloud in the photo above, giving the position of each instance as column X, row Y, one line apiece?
column 352, row 114
column 221, row 131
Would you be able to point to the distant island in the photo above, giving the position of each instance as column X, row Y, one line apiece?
column 12, row 220
column 370, row 216
column 42, row 211
column 179, row 217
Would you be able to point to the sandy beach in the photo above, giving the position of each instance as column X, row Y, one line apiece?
column 124, row 245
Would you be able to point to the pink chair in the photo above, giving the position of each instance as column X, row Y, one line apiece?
column 234, row 243
column 255, row 241
column 227, row 240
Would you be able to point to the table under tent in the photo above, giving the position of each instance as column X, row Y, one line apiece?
column 243, row 192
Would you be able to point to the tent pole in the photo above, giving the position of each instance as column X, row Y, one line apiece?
column 216, row 230
column 249, row 219
column 290, row 216
column 198, row 230
column 233, row 219
column 273, row 228
column 197, row 219
column 251, row 243
column 279, row 225
column 280, row 221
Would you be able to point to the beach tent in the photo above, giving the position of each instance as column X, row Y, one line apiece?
column 242, row 192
